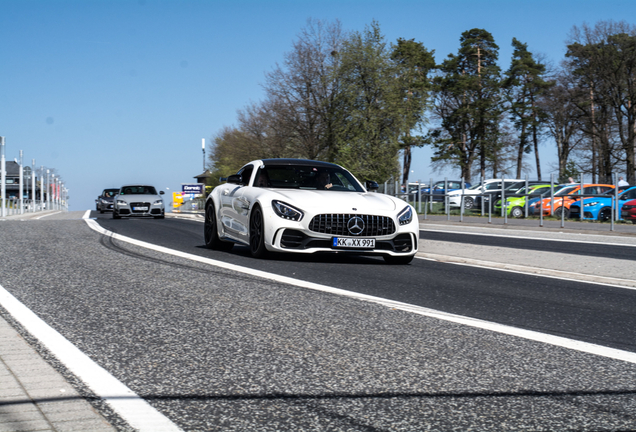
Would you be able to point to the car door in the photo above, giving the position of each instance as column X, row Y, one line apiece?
column 235, row 206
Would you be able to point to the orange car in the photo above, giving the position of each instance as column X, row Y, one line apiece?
column 566, row 196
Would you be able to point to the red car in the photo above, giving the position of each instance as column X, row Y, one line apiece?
column 628, row 212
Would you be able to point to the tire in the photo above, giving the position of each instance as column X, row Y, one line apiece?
column 398, row 260
column 257, row 233
column 558, row 210
column 517, row 212
column 116, row 215
column 159, row 217
column 211, row 233
column 605, row 214
column 469, row 203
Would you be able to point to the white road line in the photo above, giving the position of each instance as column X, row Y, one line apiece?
column 472, row 322
column 47, row 215
column 530, row 237
column 131, row 408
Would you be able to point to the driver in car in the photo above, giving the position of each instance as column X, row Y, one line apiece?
column 324, row 180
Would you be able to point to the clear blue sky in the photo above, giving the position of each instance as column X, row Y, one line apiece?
column 111, row 92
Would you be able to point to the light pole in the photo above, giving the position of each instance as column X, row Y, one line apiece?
column 48, row 194
column 3, row 177
column 21, row 181
column 33, row 185
column 203, row 148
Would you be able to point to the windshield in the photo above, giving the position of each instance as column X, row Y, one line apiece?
column 109, row 192
column 567, row 190
column 307, row 177
column 138, row 190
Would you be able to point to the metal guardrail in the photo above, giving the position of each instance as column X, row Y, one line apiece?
column 427, row 199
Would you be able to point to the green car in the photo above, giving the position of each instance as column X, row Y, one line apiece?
column 516, row 203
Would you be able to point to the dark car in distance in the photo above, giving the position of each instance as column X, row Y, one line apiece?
column 438, row 190
column 104, row 202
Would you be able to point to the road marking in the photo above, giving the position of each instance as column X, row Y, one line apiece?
column 131, row 408
column 532, row 238
column 47, row 215
column 472, row 322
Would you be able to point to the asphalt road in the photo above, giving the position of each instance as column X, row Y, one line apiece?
column 215, row 349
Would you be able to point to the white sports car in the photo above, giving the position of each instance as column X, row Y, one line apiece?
column 305, row 206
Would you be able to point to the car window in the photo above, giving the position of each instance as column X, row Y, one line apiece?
column 630, row 194
column 606, row 189
column 246, row 174
column 592, row 190
column 138, row 190
column 567, row 190
column 311, row 178
column 493, row 185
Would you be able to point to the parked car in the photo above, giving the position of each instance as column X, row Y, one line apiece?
column 138, row 201
column 600, row 208
column 566, row 196
column 104, row 202
column 628, row 212
column 307, row 206
column 510, row 190
column 516, row 203
column 472, row 196
column 439, row 191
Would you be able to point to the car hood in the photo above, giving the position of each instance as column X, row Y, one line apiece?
column 138, row 198
column 340, row 202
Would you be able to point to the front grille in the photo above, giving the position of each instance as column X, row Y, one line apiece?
column 139, row 204
column 336, row 224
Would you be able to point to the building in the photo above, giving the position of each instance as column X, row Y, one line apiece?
column 13, row 181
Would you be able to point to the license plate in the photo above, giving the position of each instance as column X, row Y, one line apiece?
column 360, row 243
column 140, row 208
column 624, row 213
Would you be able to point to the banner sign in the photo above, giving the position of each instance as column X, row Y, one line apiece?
column 193, row 188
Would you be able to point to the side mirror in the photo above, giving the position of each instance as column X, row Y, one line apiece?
column 372, row 185
column 234, row 179
column 161, row 193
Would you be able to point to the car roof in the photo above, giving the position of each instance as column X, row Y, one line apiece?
column 136, row 185
column 297, row 162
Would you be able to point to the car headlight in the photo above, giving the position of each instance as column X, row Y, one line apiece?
column 593, row 203
column 405, row 216
column 121, row 203
column 286, row 211
column 158, row 202
column 104, row 201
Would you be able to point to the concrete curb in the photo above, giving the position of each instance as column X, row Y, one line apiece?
column 626, row 283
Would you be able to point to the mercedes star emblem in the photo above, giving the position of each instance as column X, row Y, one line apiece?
column 355, row 225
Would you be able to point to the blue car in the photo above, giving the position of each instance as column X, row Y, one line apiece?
column 600, row 208
column 438, row 188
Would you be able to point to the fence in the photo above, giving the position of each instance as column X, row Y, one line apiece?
column 426, row 203
column 53, row 194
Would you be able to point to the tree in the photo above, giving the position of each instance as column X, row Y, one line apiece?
column 523, row 85
column 413, row 63
column 371, row 107
column 559, row 105
column 603, row 58
column 468, row 103
column 303, row 92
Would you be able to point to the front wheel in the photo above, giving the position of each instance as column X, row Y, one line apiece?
column 257, row 234
column 401, row 260
column 605, row 214
column 210, row 233
column 469, row 203
column 516, row 212
column 116, row 215
column 557, row 212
